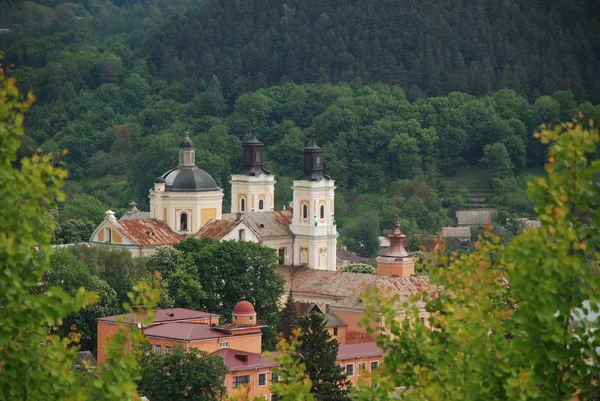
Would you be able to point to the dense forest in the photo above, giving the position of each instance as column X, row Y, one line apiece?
column 422, row 108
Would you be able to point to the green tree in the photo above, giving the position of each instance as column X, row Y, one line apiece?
column 362, row 237
column 318, row 352
column 496, row 157
column 82, row 206
column 288, row 319
column 178, row 275
column 184, row 375
column 512, row 322
column 36, row 363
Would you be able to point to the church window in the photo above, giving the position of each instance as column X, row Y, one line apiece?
column 305, row 211
column 318, row 159
column 242, row 234
column 183, row 222
column 242, row 205
column 257, row 157
column 261, row 204
column 108, row 234
column 322, row 212
column 303, row 255
column 281, row 256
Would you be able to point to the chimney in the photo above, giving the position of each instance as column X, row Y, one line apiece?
column 132, row 208
column 110, row 216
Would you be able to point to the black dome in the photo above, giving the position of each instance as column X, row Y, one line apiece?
column 159, row 180
column 189, row 180
column 186, row 143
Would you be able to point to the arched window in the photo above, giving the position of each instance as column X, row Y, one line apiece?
column 261, row 204
column 183, row 222
column 242, row 205
column 305, row 211
column 322, row 212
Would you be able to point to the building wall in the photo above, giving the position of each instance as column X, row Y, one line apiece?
column 252, row 189
column 358, row 373
column 200, row 206
column 105, row 331
column 254, row 389
column 341, row 334
column 248, row 343
column 248, row 234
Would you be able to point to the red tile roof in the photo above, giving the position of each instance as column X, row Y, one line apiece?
column 163, row 315
column 216, row 229
column 357, row 337
column 241, row 360
column 363, row 350
column 148, row 232
column 184, row 331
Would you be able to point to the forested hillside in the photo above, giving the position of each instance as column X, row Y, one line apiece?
column 119, row 83
column 429, row 47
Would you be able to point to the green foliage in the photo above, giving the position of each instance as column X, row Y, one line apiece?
column 362, row 237
column 288, row 318
column 36, row 363
column 179, row 276
column 184, row 374
column 360, row 268
column 496, row 157
column 511, row 322
column 231, row 271
column 318, row 352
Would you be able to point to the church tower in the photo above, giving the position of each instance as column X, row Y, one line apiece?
column 395, row 260
column 186, row 197
column 313, row 222
column 253, row 186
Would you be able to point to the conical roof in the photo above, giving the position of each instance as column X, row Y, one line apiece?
column 396, row 249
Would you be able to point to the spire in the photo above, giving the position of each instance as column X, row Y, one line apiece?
column 313, row 161
column 396, row 248
column 252, row 163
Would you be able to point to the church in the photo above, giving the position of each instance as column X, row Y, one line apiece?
column 186, row 202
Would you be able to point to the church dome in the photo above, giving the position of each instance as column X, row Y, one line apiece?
column 159, row 180
column 244, row 308
column 186, row 143
column 186, row 179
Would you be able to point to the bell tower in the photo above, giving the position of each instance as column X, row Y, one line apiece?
column 313, row 222
column 253, row 186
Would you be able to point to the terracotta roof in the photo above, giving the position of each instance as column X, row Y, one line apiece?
column 306, row 307
column 163, row 315
column 362, row 350
column 357, row 337
column 216, row 229
column 148, row 232
column 244, row 308
column 184, row 331
column 242, row 360
column 267, row 224
column 345, row 289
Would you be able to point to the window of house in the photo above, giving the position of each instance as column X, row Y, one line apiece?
column 362, row 366
column 157, row 349
column 262, row 379
column 305, row 211
column 241, row 381
column 274, row 377
column 322, row 212
column 242, row 234
column 281, row 256
column 422, row 319
column 183, row 222
column 350, row 369
column 335, row 331
column 261, row 204
column 167, row 350
column 242, row 205
column 108, row 234
column 223, row 345
column 374, row 365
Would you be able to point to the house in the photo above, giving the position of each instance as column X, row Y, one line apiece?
column 475, row 216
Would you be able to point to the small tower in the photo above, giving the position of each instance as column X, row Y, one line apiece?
column 313, row 222
column 244, row 314
column 253, row 186
column 395, row 260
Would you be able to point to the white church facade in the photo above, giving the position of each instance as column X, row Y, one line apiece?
column 186, row 202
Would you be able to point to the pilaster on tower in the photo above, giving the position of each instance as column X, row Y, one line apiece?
column 313, row 223
column 253, row 186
